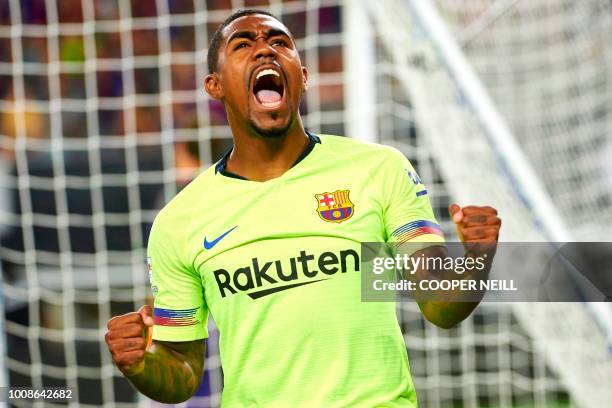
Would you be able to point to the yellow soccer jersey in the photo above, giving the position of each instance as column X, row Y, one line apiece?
column 277, row 265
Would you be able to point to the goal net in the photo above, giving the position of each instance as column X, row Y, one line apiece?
column 461, row 87
column 103, row 119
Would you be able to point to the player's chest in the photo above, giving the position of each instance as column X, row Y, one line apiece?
column 285, row 210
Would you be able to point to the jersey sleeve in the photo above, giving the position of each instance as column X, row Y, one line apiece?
column 407, row 212
column 179, row 312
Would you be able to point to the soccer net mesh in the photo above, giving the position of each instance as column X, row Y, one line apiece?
column 103, row 119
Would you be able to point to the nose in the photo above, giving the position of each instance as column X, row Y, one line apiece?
column 263, row 49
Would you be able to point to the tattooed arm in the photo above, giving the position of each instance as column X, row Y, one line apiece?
column 171, row 372
column 168, row 372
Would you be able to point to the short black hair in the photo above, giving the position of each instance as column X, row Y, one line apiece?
column 215, row 42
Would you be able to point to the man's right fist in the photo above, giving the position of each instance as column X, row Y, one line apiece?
column 127, row 339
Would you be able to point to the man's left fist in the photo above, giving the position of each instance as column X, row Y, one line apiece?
column 475, row 224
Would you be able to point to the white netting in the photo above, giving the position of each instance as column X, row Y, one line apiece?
column 102, row 115
column 506, row 355
column 548, row 67
column 102, row 118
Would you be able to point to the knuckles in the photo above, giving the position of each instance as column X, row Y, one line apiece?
column 125, row 339
column 123, row 320
column 138, row 343
column 490, row 209
column 126, row 354
column 475, row 210
column 480, row 221
column 480, row 225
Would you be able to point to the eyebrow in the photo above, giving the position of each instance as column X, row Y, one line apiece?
column 250, row 35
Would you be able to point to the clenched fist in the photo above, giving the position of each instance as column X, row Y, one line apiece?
column 127, row 339
column 475, row 224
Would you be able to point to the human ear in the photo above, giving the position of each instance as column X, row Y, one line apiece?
column 304, row 79
column 212, row 86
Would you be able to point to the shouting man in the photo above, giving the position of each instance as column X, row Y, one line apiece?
column 268, row 242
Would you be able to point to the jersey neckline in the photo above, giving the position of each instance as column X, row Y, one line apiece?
column 221, row 166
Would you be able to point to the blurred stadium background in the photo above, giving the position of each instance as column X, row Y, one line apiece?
column 103, row 118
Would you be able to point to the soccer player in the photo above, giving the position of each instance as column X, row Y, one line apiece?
column 268, row 242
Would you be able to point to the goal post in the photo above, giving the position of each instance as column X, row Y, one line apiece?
column 359, row 73
column 513, row 164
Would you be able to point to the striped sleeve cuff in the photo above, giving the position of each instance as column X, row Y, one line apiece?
column 418, row 231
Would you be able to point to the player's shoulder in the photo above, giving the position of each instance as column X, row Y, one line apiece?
column 358, row 149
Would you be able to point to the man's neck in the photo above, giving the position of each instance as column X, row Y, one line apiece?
column 259, row 158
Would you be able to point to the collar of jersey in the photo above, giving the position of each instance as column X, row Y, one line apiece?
column 220, row 167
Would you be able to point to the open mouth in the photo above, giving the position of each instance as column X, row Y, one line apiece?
column 269, row 88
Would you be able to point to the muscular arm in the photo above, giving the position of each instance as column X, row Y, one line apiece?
column 172, row 371
column 478, row 228
column 166, row 371
column 446, row 309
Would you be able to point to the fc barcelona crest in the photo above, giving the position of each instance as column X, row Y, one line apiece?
column 335, row 207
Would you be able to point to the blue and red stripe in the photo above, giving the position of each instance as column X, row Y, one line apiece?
column 343, row 213
column 170, row 317
column 414, row 229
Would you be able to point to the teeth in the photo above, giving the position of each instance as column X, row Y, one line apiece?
column 267, row 72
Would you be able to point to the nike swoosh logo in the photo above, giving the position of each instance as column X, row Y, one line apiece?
column 266, row 292
column 211, row 244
